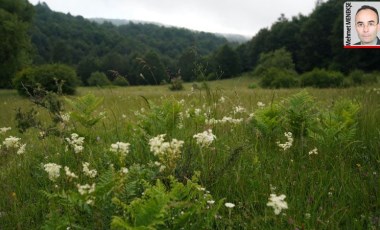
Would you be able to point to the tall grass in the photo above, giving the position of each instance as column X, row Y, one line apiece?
column 337, row 188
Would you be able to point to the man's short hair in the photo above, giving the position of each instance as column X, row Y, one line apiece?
column 366, row 7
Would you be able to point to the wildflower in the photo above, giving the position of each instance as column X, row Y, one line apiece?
column 314, row 151
column 65, row 117
column 69, row 173
column 120, row 147
column 86, row 189
column 4, row 129
column 124, row 170
column 205, row 139
column 90, row 202
column 197, row 112
column 11, row 142
column 90, row 173
column 78, row 148
column 21, row 150
column 76, row 142
column 167, row 152
column 260, row 104
column 210, row 201
column 229, row 205
column 239, row 109
column 277, row 202
column 287, row 144
column 156, row 144
column 53, row 170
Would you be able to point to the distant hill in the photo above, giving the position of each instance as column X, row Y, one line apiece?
column 92, row 46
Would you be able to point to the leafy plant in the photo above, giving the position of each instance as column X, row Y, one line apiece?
column 58, row 78
column 172, row 206
column 84, row 109
column 300, row 113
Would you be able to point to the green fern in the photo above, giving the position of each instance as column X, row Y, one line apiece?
column 169, row 205
column 300, row 113
column 338, row 125
column 268, row 120
column 84, row 108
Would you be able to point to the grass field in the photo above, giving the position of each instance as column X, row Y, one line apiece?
column 226, row 150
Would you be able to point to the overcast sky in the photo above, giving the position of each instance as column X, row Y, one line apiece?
column 245, row 17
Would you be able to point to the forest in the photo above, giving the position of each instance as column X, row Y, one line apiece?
column 153, row 54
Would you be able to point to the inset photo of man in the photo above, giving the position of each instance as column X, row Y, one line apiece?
column 364, row 17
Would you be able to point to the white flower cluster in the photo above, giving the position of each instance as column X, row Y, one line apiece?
column 287, row 144
column 69, row 174
column 277, row 202
column 53, row 170
column 65, row 117
column 14, row 143
column 222, row 99
column 11, row 142
column 239, row 109
column 90, row 173
column 120, row 147
column 313, row 151
column 224, row 120
column 4, row 129
column 205, row 139
column 76, row 142
column 260, row 104
column 86, row 189
column 229, row 205
column 158, row 145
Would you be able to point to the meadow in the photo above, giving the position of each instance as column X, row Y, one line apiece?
column 217, row 155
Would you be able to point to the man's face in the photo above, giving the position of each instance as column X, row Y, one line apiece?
column 367, row 26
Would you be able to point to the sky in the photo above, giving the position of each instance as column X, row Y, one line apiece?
column 245, row 17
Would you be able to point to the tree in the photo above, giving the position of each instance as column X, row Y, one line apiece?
column 280, row 59
column 152, row 69
column 228, row 61
column 15, row 16
column 186, row 64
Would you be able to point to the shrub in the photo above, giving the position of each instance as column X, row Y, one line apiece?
column 252, row 86
column 176, row 83
column 322, row 78
column 358, row 77
column 98, row 79
column 280, row 58
column 58, row 78
column 278, row 78
column 120, row 81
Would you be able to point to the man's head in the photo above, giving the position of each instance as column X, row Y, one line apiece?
column 367, row 24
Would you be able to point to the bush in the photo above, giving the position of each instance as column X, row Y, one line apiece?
column 58, row 78
column 322, row 78
column 176, row 83
column 98, row 79
column 120, row 81
column 252, row 86
column 358, row 77
column 280, row 59
column 278, row 78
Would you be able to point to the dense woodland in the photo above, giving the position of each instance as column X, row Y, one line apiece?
column 152, row 54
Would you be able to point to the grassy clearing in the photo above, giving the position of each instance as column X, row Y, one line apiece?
column 336, row 187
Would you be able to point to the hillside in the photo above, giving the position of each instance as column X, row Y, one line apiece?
column 119, row 22
column 77, row 41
